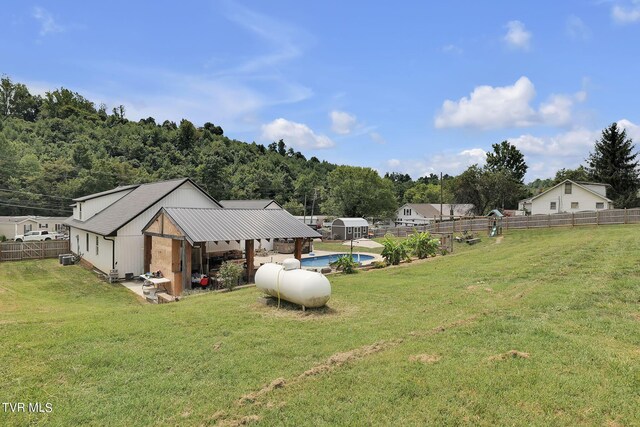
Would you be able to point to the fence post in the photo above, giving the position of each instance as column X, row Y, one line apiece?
column 528, row 220
column 548, row 221
column 597, row 217
column 625, row 215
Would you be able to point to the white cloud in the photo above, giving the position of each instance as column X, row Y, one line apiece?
column 633, row 130
column 452, row 49
column 295, row 134
column 576, row 142
column 490, row 107
column 577, row 29
column 48, row 25
column 624, row 15
column 342, row 122
column 451, row 163
column 377, row 138
column 517, row 36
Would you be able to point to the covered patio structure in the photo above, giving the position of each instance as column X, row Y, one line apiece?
column 176, row 240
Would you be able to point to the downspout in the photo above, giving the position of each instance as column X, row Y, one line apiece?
column 113, row 252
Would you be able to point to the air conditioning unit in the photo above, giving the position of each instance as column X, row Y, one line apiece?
column 67, row 260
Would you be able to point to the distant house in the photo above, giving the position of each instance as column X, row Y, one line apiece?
column 411, row 214
column 250, row 204
column 568, row 196
column 349, row 228
column 106, row 228
column 10, row 226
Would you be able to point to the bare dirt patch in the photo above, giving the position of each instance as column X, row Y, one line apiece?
column 636, row 316
column 511, row 354
column 499, row 239
column 242, row 421
column 252, row 397
column 427, row 359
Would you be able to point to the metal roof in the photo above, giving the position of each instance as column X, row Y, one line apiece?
column 351, row 222
column 247, row 204
column 18, row 219
column 110, row 219
column 104, row 193
column 218, row 225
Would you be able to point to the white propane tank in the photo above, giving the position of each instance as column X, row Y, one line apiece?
column 290, row 283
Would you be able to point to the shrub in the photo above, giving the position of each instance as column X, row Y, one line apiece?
column 346, row 263
column 230, row 273
column 422, row 245
column 3, row 238
column 379, row 264
column 394, row 251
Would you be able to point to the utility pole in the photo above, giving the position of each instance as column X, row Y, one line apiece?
column 313, row 204
column 304, row 213
column 441, row 196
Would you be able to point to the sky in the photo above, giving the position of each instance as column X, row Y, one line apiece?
column 413, row 87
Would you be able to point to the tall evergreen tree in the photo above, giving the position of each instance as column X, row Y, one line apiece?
column 613, row 162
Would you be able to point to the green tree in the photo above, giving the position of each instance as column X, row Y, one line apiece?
column 400, row 182
column 428, row 193
column 487, row 189
column 507, row 157
column 613, row 162
column 187, row 135
column 578, row 174
column 16, row 101
column 359, row 192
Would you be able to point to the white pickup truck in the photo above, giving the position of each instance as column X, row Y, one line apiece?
column 37, row 236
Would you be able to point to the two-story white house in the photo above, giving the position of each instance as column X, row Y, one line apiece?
column 106, row 228
column 411, row 214
column 568, row 196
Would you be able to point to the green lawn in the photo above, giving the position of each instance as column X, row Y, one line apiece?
column 567, row 299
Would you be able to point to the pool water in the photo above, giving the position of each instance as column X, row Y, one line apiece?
column 325, row 260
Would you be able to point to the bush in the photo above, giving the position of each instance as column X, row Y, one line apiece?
column 422, row 245
column 379, row 264
column 346, row 263
column 3, row 238
column 230, row 273
column 394, row 251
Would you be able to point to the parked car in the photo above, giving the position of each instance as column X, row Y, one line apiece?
column 38, row 236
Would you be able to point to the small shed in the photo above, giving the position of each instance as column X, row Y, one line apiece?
column 349, row 228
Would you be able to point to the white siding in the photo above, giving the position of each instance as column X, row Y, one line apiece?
column 600, row 189
column 102, row 260
column 586, row 201
column 93, row 206
column 130, row 242
column 413, row 219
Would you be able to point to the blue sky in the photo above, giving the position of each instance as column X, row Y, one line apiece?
column 414, row 87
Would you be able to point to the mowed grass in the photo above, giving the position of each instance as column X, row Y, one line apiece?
column 568, row 300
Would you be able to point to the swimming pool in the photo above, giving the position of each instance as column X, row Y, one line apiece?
column 325, row 260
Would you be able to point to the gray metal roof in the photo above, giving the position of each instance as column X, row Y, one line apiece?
column 104, row 193
column 247, row 204
column 351, row 222
column 218, row 225
column 121, row 212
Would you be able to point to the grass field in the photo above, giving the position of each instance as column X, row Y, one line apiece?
column 427, row 343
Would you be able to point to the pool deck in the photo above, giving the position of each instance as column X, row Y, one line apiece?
column 278, row 258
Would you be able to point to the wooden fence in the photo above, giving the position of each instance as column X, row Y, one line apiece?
column 605, row 217
column 16, row 251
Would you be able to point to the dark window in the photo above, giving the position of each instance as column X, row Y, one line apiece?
column 552, row 206
column 87, row 242
column 574, row 205
column 599, row 205
column 567, row 188
column 97, row 245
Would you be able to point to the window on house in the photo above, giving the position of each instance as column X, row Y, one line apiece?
column 552, row 206
column 97, row 245
column 567, row 188
column 87, row 242
column 59, row 227
column 349, row 230
column 407, row 211
column 599, row 205
column 43, row 225
column 80, row 211
column 574, row 205
column 27, row 228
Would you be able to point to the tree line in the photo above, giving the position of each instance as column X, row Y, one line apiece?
column 61, row 145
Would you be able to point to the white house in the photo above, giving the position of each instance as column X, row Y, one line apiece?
column 411, row 214
column 106, row 228
column 10, row 226
column 568, row 196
